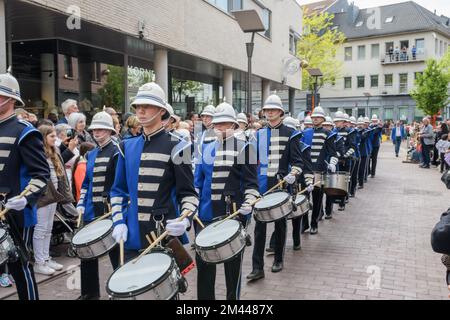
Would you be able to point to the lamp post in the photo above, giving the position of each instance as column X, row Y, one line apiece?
column 250, row 22
column 316, row 73
column 368, row 95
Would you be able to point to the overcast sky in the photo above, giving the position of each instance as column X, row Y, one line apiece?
column 441, row 6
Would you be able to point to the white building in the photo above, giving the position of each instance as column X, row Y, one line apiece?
column 68, row 48
column 373, row 80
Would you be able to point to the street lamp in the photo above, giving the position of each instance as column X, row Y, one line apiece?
column 315, row 73
column 250, row 22
column 368, row 95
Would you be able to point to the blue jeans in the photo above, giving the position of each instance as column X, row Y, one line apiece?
column 398, row 143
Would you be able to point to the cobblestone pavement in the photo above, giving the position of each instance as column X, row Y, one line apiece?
column 379, row 248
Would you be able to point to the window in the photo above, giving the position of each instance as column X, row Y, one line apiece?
column 420, row 46
column 96, row 72
column 361, row 52
column 436, row 46
column 403, row 79
column 68, row 67
column 388, row 80
column 389, row 20
column 266, row 18
column 441, row 51
column 227, row 5
column 404, row 44
column 361, row 81
column 374, row 81
column 348, row 53
column 416, row 75
column 293, row 40
column 403, row 113
column 347, row 82
column 375, row 51
column 388, row 113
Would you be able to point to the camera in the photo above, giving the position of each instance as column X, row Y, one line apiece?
column 71, row 134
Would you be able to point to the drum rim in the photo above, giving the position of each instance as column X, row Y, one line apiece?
column 145, row 289
column 279, row 219
column 278, row 205
column 227, row 260
column 110, row 231
column 5, row 235
column 222, row 243
column 305, row 199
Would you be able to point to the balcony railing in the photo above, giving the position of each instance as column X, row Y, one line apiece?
column 403, row 57
column 400, row 89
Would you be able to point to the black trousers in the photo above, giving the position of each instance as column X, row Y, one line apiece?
column 260, row 243
column 296, row 231
column 317, row 206
column 374, row 161
column 23, row 273
column 362, row 171
column 90, row 282
column 444, row 165
column 354, row 178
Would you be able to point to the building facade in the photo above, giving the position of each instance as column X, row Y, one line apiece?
column 100, row 52
column 386, row 48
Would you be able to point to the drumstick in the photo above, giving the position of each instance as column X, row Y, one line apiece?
column 199, row 221
column 148, row 239
column 235, row 214
column 161, row 237
column 153, row 236
column 314, row 185
column 122, row 253
column 104, row 216
column 23, row 194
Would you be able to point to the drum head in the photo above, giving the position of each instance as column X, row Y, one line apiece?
column 92, row 232
column 2, row 233
column 217, row 233
column 141, row 276
column 272, row 200
column 300, row 199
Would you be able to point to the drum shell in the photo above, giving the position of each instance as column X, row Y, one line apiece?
column 6, row 246
column 337, row 184
column 275, row 213
column 97, row 248
column 318, row 177
column 225, row 251
column 302, row 209
column 163, row 289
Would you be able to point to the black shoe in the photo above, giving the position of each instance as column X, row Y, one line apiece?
column 360, row 187
column 270, row 251
column 341, row 209
column 256, row 275
column 352, row 195
column 314, row 231
column 248, row 240
column 372, row 176
column 396, row 155
column 304, row 229
column 426, row 167
column 277, row 267
column 88, row 297
column 297, row 248
column 328, row 217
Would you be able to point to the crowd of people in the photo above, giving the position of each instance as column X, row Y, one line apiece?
column 151, row 169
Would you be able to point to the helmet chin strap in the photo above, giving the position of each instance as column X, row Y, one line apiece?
column 5, row 102
column 150, row 120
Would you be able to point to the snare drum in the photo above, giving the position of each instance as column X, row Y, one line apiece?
column 155, row 274
column 318, row 177
column 221, row 241
column 337, row 184
column 94, row 240
column 302, row 204
column 273, row 207
column 6, row 246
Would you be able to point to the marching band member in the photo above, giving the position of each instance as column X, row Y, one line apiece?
column 364, row 133
column 377, row 127
column 100, row 173
column 207, row 116
column 241, row 132
column 226, row 178
column 308, row 123
column 323, row 149
column 369, row 147
column 354, row 175
column 153, row 178
column 279, row 156
column 23, row 166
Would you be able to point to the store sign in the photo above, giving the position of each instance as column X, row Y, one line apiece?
column 139, row 76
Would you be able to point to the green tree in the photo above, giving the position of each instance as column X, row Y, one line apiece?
column 431, row 92
column 112, row 93
column 318, row 45
column 184, row 87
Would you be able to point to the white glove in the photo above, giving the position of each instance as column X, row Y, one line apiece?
column 17, row 203
column 332, row 168
column 120, row 232
column 245, row 210
column 310, row 188
column 177, row 228
column 290, row 178
column 81, row 210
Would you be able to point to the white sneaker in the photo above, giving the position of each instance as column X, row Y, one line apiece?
column 54, row 265
column 43, row 269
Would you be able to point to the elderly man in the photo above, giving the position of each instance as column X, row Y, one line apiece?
column 68, row 107
column 426, row 137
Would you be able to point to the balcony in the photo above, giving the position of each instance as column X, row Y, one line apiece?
column 400, row 89
column 403, row 58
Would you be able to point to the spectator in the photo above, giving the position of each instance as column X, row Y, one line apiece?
column 193, row 117
column 426, row 137
column 22, row 114
column 133, row 127
column 398, row 136
column 414, row 52
column 113, row 114
column 443, row 146
column 53, row 117
column 391, row 53
column 404, row 56
column 32, row 118
column 77, row 121
column 79, row 169
column 397, row 53
column 46, row 212
column 68, row 107
column 61, row 133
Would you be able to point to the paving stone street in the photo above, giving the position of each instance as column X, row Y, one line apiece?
column 379, row 248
